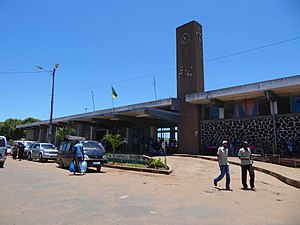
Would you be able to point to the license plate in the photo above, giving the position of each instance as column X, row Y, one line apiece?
column 96, row 163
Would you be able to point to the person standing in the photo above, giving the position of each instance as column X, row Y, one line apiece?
column 14, row 152
column 21, row 148
column 78, row 156
column 246, row 165
column 223, row 164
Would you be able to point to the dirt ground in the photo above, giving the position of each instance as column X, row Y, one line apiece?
column 41, row 193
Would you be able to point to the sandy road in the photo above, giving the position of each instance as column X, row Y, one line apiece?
column 40, row 193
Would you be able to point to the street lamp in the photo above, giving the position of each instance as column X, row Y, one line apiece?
column 49, row 135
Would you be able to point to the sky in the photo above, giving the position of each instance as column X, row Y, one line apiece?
column 129, row 44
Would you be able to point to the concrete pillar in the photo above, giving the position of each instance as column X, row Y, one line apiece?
column 40, row 135
column 221, row 113
column 78, row 129
column 129, row 138
column 153, row 133
column 91, row 132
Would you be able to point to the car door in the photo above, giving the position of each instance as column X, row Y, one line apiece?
column 35, row 150
column 69, row 153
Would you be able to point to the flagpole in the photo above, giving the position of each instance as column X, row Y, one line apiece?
column 112, row 98
column 154, row 84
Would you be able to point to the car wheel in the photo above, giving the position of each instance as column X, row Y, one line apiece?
column 61, row 164
column 1, row 164
column 29, row 156
column 99, row 169
column 41, row 157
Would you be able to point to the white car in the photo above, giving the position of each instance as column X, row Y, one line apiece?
column 26, row 144
column 42, row 151
column 3, row 150
column 8, row 149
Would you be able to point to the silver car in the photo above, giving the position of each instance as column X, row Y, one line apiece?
column 42, row 151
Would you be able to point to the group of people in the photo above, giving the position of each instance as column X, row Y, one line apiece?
column 244, row 155
column 18, row 150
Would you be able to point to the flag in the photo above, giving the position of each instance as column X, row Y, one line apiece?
column 113, row 92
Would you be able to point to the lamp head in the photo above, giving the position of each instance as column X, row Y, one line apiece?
column 39, row 67
column 56, row 65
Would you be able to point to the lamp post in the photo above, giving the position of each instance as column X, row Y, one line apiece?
column 49, row 135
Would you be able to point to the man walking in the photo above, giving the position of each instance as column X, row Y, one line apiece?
column 223, row 164
column 78, row 156
column 246, row 165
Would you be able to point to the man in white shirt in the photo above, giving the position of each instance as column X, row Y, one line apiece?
column 223, row 164
column 246, row 165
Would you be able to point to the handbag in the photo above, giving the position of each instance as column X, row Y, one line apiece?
column 72, row 167
column 83, row 166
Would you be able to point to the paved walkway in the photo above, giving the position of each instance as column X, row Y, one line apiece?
column 288, row 175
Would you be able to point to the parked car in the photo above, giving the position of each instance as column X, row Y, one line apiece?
column 3, row 150
column 42, row 151
column 8, row 149
column 94, row 153
column 26, row 144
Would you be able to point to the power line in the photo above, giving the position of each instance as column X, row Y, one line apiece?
column 156, row 73
column 252, row 49
column 20, row 72
column 117, row 82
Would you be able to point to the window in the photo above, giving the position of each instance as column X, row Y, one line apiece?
column 204, row 112
column 284, row 104
column 68, row 146
column 245, row 108
column 264, row 107
column 295, row 104
column 165, row 133
column 2, row 142
column 214, row 112
column 229, row 109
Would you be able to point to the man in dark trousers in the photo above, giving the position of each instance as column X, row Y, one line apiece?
column 246, row 165
column 21, row 148
column 224, row 165
column 78, row 156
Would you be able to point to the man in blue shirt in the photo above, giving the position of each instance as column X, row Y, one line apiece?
column 78, row 156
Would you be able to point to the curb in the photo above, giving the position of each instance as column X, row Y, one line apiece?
column 148, row 170
column 286, row 180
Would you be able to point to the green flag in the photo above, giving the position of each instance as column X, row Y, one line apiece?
column 113, row 92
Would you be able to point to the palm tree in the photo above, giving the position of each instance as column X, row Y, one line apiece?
column 115, row 141
column 62, row 132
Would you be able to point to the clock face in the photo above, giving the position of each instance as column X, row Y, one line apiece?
column 185, row 38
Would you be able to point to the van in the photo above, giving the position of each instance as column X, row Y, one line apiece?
column 3, row 150
column 94, row 153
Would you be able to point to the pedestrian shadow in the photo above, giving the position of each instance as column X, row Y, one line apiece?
column 223, row 189
column 247, row 189
column 89, row 171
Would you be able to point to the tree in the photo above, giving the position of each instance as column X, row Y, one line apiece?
column 64, row 131
column 115, row 141
column 8, row 128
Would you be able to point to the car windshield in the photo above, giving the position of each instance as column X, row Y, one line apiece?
column 47, row 146
column 92, row 145
column 2, row 142
column 28, row 143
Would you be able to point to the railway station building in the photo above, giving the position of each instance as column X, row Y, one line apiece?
column 265, row 113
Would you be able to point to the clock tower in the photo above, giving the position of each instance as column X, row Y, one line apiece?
column 190, row 79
